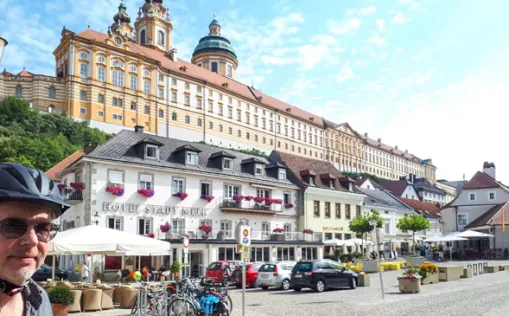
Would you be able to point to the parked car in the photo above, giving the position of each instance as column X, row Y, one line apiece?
column 45, row 272
column 275, row 274
column 251, row 275
column 322, row 274
column 220, row 271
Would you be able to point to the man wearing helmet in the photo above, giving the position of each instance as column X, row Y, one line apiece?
column 29, row 201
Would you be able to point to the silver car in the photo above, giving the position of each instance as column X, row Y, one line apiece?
column 275, row 274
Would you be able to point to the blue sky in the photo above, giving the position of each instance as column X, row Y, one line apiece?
column 427, row 75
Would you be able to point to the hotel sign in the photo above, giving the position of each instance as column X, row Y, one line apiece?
column 339, row 229
column 154, row 209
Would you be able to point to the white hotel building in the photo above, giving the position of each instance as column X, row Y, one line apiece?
column 135, row 160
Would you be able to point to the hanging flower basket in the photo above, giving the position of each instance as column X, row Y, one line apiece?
column 259, row 199
column 238, row 197
column 165, row 228
column 288, row 205
column 277, row 201
column 77, row 186
column 207, row 197
column 114, row 190
column 279, row 230
column 249, row 197
column 146, row 193
column 151, row 235
column 308, row 231
column 269, row 201
column 181, row 195
column 205, row 228
column 61, row 186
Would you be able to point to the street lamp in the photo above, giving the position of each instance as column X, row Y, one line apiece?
column 3, row 44
column 96, row 217
column 374, row 223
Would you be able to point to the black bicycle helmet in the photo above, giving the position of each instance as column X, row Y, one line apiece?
column 22, row 183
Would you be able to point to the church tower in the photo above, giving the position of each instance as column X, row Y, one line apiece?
column 153, row 26
column 215, row 53
column 121, row 22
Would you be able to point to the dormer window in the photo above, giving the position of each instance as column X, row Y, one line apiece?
column 191, row 158
column 282, row 174
column 227, row 163
column 311, row 181
column 331, row 184
column 259, row 169
column 151, row 152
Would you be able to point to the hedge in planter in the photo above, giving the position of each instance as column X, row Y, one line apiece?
column 61, row 298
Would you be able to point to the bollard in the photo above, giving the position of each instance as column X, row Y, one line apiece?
column 474, row 269
column 485, row 266
column 480, row 268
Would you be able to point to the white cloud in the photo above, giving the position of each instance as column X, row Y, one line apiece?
column 372, row 86
column 344, row 27
column 367, row 10
column 418, row 77
column 378, row 40
column 417, row 57
column 345, row 73
column 399, row 50
column 380, row 23
column 399, row 17
column 361, row 63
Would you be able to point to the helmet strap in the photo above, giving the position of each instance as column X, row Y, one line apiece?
column 11, row 289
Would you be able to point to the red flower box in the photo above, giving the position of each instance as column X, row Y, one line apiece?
column 207, row 197
column 238, row 197
column 151, row 235
column 146, row 193
column 181, row 195
column 307, row 231
column 77, row 186
column 165, row 228
column 249, row 198
column 205, row 228
column 117, row 191
column 278, row 230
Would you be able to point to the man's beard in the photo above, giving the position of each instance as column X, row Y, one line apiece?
column 20, row 275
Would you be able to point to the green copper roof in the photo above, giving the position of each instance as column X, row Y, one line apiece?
column 214, row 43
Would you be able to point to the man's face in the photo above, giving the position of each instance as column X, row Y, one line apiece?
column 21, row 257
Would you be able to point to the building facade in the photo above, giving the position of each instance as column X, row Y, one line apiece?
column 115, row 80
column 168, row 189
column 328, row 199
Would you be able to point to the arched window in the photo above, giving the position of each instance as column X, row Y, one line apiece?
column 142, row 37
column 52, row 92
column 101, row 73
column 19, row 91
column 51, row 108
column 160, row 38
column 84, row 70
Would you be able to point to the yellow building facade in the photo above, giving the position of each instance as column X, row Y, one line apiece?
column 115, row 80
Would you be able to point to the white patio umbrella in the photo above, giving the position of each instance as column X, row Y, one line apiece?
column 451, row 238
column 433, row 239
column 334, row 242
column 473, row 234
column 101, row 240
column 356, row 242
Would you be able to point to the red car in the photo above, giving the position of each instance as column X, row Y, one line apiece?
column 251, row 275
column 220, row 271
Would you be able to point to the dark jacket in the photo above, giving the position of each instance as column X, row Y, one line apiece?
column 36, row 300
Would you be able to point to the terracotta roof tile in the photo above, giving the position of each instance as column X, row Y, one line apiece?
column 497, row 218
column 481, row 181
column 210, row 77
column 25, row 73
column 423, row 208
column 395, row 187
column 53, row 172
column 374, row 143
column 485, row 218
column 301, row 167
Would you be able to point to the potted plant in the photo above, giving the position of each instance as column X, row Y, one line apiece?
column 269, row 201
column 238, row 197
column 181, row 195
column 288, row 205
column 165, row 228
column 206, row 229
column 175, row 269
column 429, row 273
column 151, row 235
column 248, row 197
column 77, row 186
column 115, row 190
column 259, row 199
column 61, row 298
column 278, row 234
column 220, row 235
column 146, row 193
column 207, row 197
column 410, row 281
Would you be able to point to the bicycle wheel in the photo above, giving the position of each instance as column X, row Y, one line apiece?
column 230, row 304
column 221, row 310
column 182, row 307
column 135, row 307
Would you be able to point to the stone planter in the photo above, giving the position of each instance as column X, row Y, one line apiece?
column 467, row 273
column 431, row 278
column 370, row 266
column 277, row 237
column 409, row 285
column 60, row 309
column 416, row 261
column 450, row 273
column 364, row 280
column 492, row 269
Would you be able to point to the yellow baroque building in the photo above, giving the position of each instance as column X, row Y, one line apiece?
column 132, row 76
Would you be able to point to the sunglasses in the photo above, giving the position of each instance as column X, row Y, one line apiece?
column 14, row 228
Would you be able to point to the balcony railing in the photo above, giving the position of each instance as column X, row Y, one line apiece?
column 229, row 203
column 230, row 235
column 72, row 196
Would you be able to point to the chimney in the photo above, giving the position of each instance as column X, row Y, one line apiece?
column 379, row 140
column 406, row 151
column 173, row 54
column 489, row 169
column 365, row 134
column 396, row 147
column 88, row 149
column 138, row 129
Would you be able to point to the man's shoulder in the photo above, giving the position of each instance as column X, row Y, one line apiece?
column 36, row 298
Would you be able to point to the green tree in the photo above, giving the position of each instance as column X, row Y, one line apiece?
column 413, row 223
column 361, row 224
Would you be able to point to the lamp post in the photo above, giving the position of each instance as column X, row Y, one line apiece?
column 374, row 223
column 3, row 44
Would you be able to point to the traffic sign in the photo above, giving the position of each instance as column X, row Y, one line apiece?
column 185, row 242
column 243, row 234
column 245, row 254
